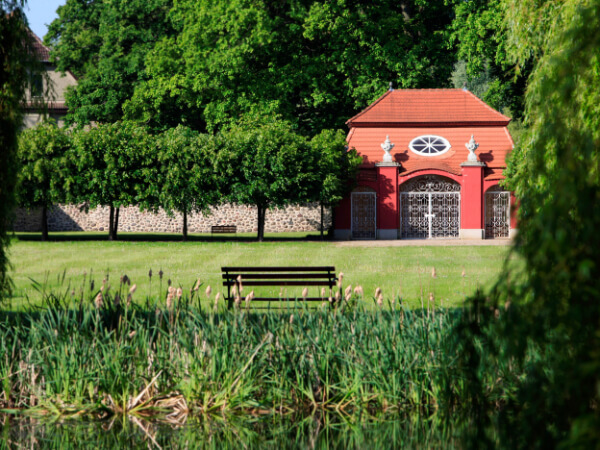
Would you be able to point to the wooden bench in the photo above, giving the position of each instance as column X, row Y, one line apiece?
column 300, row 277
column 220, row 229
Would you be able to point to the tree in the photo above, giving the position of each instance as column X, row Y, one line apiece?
column 231, row 57
column 337, row 168
column 480, row 34
column 549, row 334
column 266, row 165
column 186, row 176
column 105, row 43
column 42, row 156
column 113, row 165
column 16, row 65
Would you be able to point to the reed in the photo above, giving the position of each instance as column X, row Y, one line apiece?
column 171, row 357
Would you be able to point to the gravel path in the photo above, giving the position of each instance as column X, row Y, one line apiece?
column 424, row 242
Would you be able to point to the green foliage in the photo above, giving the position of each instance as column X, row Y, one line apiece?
column 266, row 165
column 187, row 181
column 42, row 156
column 104, row 44
column 16, row 63
column 312, row 63
column 111, row 167
column 552, row 331
column 480, row 34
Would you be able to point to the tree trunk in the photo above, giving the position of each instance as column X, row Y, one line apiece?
column 261, row 223
column 111, row 223
column 44, row 223
column 116, row 224
column 185, row 227
column 321, row 220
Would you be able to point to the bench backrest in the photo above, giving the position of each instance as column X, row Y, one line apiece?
column 306, row 276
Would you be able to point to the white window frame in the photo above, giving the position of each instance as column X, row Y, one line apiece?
column 429, row 136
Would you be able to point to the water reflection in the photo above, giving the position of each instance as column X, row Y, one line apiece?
column 315, row 432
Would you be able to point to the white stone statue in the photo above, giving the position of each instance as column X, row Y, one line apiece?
column 472, row 146
column 387, row 147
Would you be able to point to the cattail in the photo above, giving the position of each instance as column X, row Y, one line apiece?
column 291, row 319
column 330, row 299
column 208, row 291
column 129, row 300
column 507, row 305
column 348, row 297
column 179, row 293
column 237, row 301
column 338, row 296
column 217, row 298
column 117, row 300
column 348, row 290
column 132, row 334
column 150, row 274
column 169, row 282
column 132, row 289
column 464, row 274
column 322, row 292
column 73, row 293
column 160, row 274
column 358, row 291
column 340, row 279
column 234, row 291
column 98, row 300
column 249, row 298
column 377, row 292
column 197, row 286
column 239, row 280
column 170, row 300
column 433, row 274
column 304, row 293
column 380, row 300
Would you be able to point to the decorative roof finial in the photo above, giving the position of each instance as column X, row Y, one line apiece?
column 391, row 86
column 472, row 146
column 387, row 147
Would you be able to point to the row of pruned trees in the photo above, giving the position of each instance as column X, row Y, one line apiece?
column 181, row 170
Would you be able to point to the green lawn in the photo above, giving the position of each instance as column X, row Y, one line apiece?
column 405, row 271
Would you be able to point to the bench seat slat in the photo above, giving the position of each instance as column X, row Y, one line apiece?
column 278, row 269
column 277, row 276
column 280, row 283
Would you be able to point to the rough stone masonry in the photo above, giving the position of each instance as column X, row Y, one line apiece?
column 71, row 218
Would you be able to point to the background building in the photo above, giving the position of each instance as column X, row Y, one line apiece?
column 432, row 163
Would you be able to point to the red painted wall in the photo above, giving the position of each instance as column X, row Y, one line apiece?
column 471, row 201
column 388, row 216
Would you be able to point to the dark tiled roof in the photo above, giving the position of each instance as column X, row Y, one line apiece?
column 40, row 50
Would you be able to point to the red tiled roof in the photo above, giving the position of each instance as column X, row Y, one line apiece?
column 422, row 107
column 494, row 145
column 40, row 50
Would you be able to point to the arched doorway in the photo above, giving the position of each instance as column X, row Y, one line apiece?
column 429, row 208
column 497, row 213
column 364, row 214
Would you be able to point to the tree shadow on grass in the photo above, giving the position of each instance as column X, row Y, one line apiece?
column 170, row 237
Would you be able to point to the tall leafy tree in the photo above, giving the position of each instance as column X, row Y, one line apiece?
column 480, row 33
column 186, row 176
column 337, row 168
column 104, row 43
column 16, row 65
column 42, row 156
column 549, row 334
column 266, row 165
column 113, row 164
column 312, row 62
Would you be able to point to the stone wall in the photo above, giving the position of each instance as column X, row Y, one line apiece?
column 70, row 218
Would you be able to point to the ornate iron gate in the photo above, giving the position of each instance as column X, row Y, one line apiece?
column 497, row 213
column 430, row 208
column 363, row 215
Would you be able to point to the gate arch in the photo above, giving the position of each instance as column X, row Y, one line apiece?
column 364, row 213
column 429, row 208
column 497, row 213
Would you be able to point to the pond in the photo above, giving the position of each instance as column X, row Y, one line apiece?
column 318, row 431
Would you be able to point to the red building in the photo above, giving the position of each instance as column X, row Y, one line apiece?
column 432, row 161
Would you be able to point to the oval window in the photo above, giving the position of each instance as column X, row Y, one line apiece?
column 429, row 145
